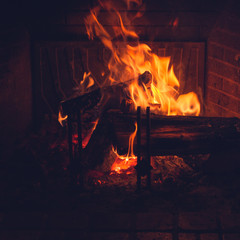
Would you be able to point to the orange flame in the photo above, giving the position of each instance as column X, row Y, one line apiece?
column 126, row 161
column 161, row 92
column 90, row 80
column 88, row 136
column 61, row 118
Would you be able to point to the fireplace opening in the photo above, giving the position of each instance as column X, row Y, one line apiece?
column 126, row 75
column 176, row 58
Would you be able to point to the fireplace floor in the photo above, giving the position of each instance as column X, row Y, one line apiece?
column 37, row 202
column 209, row 212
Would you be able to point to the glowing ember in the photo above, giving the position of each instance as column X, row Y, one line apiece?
column 126, row 161
column 86, row 138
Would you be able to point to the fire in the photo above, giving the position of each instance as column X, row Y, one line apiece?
column 129, row 61
column 160, row 90
column 85, row 137
column 128, row 160
column 61, row 118
column 89, row 134
column 150, row 79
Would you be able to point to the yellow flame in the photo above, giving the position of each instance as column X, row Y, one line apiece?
column 84, row 82
column 129, row 61
column 160, row 90
column 123, row 162
column 61, row 118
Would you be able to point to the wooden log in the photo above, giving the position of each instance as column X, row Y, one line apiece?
column 177, row 134
column 108, row 97
column 86, row 101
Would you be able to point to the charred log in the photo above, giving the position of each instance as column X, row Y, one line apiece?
column 84, row 102
column 178, row 134
column 99, row 145
column 109, row 97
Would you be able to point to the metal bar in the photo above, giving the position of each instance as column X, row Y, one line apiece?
column 138, row 148
column 70, row 146
column 79, row 127
column 148, row 154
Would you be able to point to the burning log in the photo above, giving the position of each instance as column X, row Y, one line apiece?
column 109, row 97
column 145, row 78
column 83, row 102
column 144, row 81
column 105, row 98
column 170, row 135
column 116, row 97
column 177, row 135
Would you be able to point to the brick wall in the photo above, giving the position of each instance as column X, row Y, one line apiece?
column 15, row 86
column 223, row 78
column 193, row 20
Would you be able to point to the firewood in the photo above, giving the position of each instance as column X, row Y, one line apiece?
column 107, row 97
column 83, row 102
column 145, row 78
column 178, row 134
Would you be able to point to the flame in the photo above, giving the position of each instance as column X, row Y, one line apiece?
column 90, row 80
column 124, row 162
column 86, row 83
column 130, row 61
column 153, row 81
column 61, row 118
column 174, row 23
column 89, row 134
column 150, row 79
column 86, row 138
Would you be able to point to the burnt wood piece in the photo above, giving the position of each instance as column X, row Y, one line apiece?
column 110, row 96
column 145, row 78
column 177, row 135
column 107, row 98
column 83, row 102
column 117, row 96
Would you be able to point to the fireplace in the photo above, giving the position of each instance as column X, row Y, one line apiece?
column 46, row 55
column 213, row 26
column 60, row 65
column 55, row 53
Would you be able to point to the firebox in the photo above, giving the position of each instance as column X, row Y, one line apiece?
column 178, row 48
